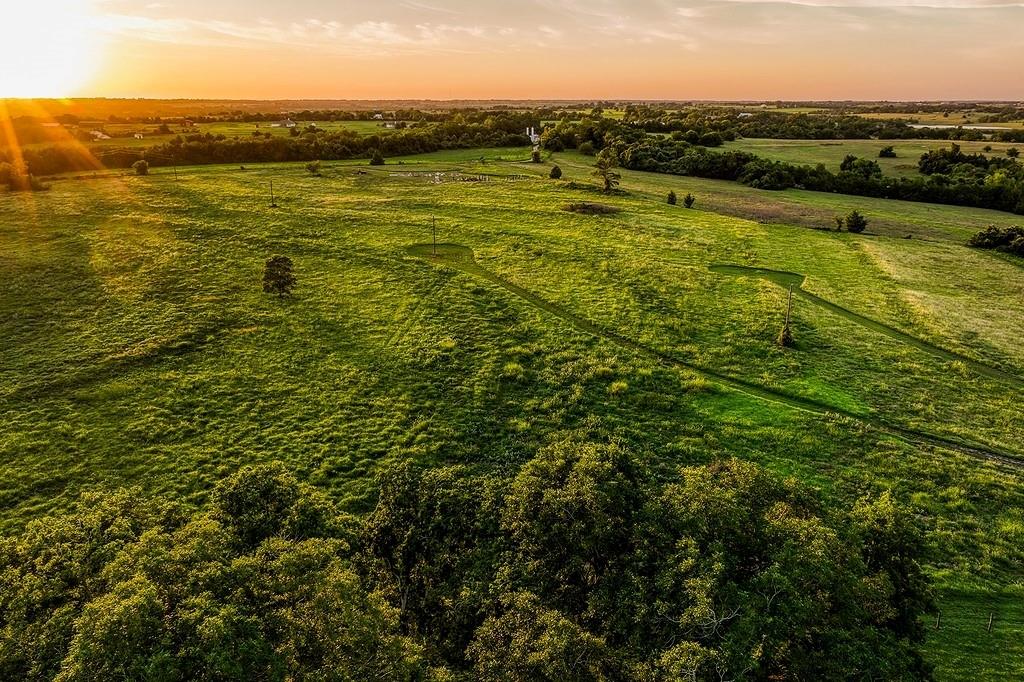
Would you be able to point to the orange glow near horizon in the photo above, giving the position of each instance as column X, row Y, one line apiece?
column 534, row 49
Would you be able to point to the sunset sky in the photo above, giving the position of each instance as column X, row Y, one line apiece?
column 559, row 49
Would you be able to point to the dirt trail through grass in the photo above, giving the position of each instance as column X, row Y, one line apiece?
column 795, row 280
column 462, row 258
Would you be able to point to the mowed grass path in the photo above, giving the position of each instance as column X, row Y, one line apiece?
column 140, row 350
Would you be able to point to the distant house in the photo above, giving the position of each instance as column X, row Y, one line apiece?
column 287, row 123
column 378, row 117
column 746, row 114
column 187, row 123
column 391, row 125
column 99, row 135
column 138, row 136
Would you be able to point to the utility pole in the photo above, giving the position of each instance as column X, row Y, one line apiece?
column 273, row 204
column 789, row 308
column 433, row 228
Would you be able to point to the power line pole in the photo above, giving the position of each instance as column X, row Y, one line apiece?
column 273, row 204
column 433, row 227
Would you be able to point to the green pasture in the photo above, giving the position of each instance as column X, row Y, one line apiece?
column 140, row 349
column 832, row 152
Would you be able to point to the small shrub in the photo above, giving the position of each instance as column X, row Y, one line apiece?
column 279, row 276
column 25, row 182
column 840, row 223
column 785, row 339
column 512, row 371
column 887, row 153
column 556, row 173
column 377, row 159
column 856, row 223
column 535, row 156
column 1006, row 239
column 313, row 167
column 141, row 167
column 587, row 148
column 672, row 198
column 590, row 208
column 689, row 200
column 1013, row 152
column 617, row 387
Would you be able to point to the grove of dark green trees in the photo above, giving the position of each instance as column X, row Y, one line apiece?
column 584, row 565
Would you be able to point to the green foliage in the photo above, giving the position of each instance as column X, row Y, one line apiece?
column 313, row 168
column 377, row 159
column 535, row 156
column 141, row 167
column 605, row 170
column 672, row 198
column 888, row 152
column 556, row 173
column 1006, row 239
column 689, row 200
column 279, row 276
column 127, row 589
column 1013, row 152
column 856, row 223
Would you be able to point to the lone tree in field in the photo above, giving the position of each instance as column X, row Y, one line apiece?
column 377, row 159
column 141, row 167
column 688, row 200
column 535, row 156
column 278, row 277
column 556, row 173
column 671, row 198
column 856, row 223
column 887, row 153
column 1013, row 152
column 840, row 223
column 605, row 169
column 313, row 167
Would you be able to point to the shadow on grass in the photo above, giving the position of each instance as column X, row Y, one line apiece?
column 461, row 258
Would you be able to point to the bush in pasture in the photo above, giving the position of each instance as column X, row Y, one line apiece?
column 313, row 167
column 987, row 149
column 689, row 200
column 20, row 181
column 1006, row 239
column 586, row 148
column 554, row 144
column 535, row 156
column 556, row 173
column 856, row 223
column 840, row 223
column 589, row 208
column 672, row 198
column 1013, row 152
column 785, row 339
column 141, row 167
column 279, row 276
column 377, row 159
column 887, row 153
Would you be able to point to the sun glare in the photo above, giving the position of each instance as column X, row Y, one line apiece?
column 51, row 48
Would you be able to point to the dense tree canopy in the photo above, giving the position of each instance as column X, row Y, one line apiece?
column 583, row 566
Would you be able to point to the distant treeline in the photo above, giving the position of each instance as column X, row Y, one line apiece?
column 497, row 129
column 730, row 123
column 949, row 176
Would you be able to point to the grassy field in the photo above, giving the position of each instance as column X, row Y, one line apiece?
column 140, row 349
column 965, row 118
column 832, row 152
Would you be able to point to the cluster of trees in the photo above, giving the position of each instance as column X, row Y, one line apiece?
column 998, row 184
column 1006, row 239
column 583, row 566
column 457, row 132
